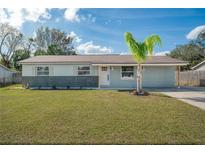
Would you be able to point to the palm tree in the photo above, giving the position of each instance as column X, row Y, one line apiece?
column 141, row 51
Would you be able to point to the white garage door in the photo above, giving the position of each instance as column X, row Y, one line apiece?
column 158, row 76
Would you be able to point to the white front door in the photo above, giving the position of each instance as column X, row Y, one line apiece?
column 104, row 75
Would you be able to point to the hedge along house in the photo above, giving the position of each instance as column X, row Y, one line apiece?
column 98, row 71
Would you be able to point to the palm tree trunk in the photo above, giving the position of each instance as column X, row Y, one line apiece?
column 138, row 78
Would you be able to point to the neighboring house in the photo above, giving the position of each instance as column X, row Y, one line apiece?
column 5, row 75
column 97, row 71
column 199, row 67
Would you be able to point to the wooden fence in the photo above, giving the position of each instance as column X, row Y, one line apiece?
column 192, row 78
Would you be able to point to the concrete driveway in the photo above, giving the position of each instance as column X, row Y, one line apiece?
column 191, row 95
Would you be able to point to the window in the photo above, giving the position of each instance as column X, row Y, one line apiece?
column 104, row 68
column 83, row 70
column 127, row 72
column 43, row 71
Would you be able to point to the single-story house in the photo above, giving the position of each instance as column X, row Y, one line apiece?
column 98, row 71
column 199, row 67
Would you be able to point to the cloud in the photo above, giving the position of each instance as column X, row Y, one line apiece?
column 13, row 17
column 125, row 53
column 90, row 48
column 195, row 32
column 71, row 15
column 77, row 39
column 161, row 53
column 35, row 13
column 90, row 18
column 16, row 17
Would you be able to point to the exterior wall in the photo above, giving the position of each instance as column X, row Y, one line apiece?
column 66, row 75
column 59, row 76
column 61, row 81
column 117, row 82
column 201, row 68
column 28, row 70
column 57, row 70
column 153, row 76
column 62, row 70
column 158, row 76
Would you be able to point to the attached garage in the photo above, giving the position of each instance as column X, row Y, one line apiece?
column 159, row 76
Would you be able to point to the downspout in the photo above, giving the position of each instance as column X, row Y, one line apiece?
column 99, row 77
column 178, row 76
column 138, row 77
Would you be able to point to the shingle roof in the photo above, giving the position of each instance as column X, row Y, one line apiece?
column 100, row 59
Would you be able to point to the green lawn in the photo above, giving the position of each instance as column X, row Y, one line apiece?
column 96, row 117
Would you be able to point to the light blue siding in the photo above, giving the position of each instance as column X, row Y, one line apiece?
column 94, row 70
column 153, row 76
column 117, row 82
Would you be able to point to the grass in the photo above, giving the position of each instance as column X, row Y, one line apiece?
column 96, row 117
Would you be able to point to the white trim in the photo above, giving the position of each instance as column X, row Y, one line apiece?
column 84, row 70
column 98, row 76
column 198, row 65
column 36, row 70
column 53, row 63
column 176, row 64
column 127, row 78
column 4, row 67
column 108, row 73
column 134, row 64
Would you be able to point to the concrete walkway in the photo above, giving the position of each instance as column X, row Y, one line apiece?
column 191, row 95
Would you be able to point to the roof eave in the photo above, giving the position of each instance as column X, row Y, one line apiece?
column 13, row 71
column 134, row 64
column 198, row 65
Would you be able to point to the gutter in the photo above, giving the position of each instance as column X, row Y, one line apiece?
column 104, row 64
column 165, row 64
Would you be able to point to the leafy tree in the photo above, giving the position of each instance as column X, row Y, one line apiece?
column 50, row 39
column 40, row 52
column 26, row 47
column 10, row 39
column 200, row 40
column 54, row 49
column 42, row 38
column 140, row 51
column 19, row 55
column 192, row 53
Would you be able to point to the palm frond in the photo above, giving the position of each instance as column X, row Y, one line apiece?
column 137, row 49
column 151, row 42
